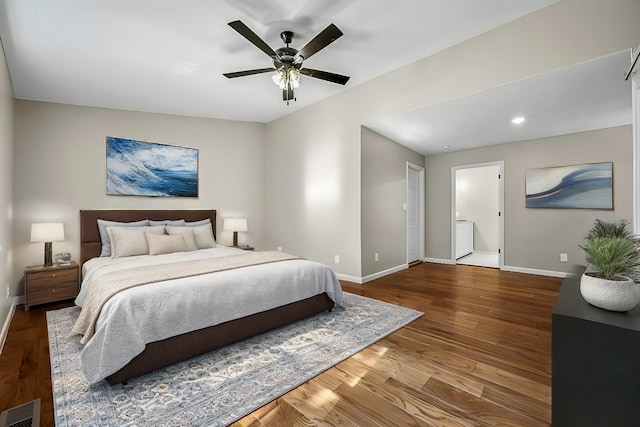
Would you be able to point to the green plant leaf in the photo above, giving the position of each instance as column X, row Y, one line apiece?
column 612, row 256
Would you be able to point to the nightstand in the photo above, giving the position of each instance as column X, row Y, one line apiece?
column 49, row 284
column 244, row 247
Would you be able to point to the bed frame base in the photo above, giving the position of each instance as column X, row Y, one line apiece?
column 163, row 353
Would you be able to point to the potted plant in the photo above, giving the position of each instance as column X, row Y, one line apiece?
column 613, row 252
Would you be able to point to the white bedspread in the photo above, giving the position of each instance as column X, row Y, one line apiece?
column 148, row 313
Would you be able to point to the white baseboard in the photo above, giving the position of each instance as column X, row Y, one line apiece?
column 348, row 278
column 514, row 269
column 365, row 279
column 7, row 323
column 439, row 260
column 383, row 273
column 537, row 272
column 370, row 277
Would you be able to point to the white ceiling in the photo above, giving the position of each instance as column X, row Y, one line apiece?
column 587, row 96
column 168, row 56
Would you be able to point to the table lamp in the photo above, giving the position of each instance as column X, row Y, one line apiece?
column 47, row 232
column 235, row 225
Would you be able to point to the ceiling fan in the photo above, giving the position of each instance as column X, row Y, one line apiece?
column 287, row 61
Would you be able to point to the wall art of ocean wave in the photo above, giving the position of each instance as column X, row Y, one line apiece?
column 137, row 168
column 580, row 187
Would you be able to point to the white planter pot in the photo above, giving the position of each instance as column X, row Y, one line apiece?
column 609, row 294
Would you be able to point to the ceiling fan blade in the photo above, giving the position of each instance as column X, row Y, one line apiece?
column 248, row 72
column 252, row 37
column 325, row 75
column 322, row 40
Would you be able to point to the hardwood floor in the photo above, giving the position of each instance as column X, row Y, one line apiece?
column 480, row 356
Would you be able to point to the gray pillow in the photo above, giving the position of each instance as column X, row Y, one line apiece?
column 198, row 223
column 104, row 236
column 174, row 222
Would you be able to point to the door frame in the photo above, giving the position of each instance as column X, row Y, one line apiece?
column 634, row 74
column 454, row 169
column 421, row 209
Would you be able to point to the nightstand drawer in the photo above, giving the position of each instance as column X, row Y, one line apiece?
column 44, row 294
column 45, row 279
column 50, row 284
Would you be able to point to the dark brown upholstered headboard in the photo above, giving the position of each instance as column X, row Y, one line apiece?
column 90, row 244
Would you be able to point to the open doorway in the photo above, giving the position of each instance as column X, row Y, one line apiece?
column 477, row 214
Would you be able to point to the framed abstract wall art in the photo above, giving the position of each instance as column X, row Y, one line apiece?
column 585, row 186
column 137, row 168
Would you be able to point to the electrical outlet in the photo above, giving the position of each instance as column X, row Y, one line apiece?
column 563, row 258
column 336, row 259
column 279, row 248
column 375, row 257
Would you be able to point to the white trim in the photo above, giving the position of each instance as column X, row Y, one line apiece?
column 383, row 273
column 525, row 270
column 635, row 107
column 421, row 208
column 7, row 324
column 454, row 169
column 440, row 261
column 348, row 278
column 550, row 273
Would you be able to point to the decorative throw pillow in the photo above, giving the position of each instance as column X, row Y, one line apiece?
column 174, row 222
column 130, row 241
column 104, row 236
column 204, row 237
column 165, row 243
column 187, row 233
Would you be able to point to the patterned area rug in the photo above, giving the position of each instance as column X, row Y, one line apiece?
column 220, row 387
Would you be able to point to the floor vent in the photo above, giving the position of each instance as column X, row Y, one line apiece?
column 27, row 415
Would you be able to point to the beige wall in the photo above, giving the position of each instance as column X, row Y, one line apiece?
column 6, row 204
column 534, row 238
column 314, row 173
column 60, row 158
column 384, row 221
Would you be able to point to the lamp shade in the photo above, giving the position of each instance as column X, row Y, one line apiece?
column 47, row 232
column 235, row 224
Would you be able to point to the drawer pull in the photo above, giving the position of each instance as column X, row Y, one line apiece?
column 53, row 275
column 54, row 291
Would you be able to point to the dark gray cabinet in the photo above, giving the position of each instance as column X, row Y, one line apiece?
column 595, row 363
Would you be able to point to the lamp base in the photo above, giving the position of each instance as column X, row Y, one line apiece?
column 48, row 262
column 235, row 238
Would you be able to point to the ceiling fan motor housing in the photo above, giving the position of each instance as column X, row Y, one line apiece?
column 286, row 54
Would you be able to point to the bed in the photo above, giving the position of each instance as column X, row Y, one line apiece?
column 321, row 294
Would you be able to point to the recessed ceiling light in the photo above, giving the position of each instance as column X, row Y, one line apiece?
column 446, row 147
column 517, row 120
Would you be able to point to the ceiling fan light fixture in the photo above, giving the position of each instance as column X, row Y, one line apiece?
column 286, row 77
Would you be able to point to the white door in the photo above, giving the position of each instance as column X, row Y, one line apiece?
column 413, row 215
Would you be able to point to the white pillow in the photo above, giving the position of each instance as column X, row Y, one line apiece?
column 187, row 233
column 204, row 236
column 104, row 236
column 130, row 241
column 164, row 243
